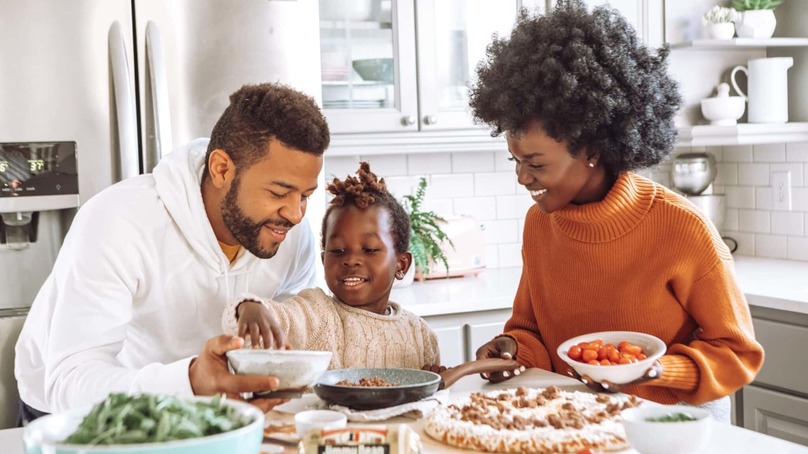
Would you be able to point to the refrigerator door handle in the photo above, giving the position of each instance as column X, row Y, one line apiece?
column 124, row 104
column 161, row 114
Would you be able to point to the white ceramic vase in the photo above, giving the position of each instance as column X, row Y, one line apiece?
column 723, row 30
column 758, row 23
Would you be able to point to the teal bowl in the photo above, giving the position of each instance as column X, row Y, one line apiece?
column 45, row 435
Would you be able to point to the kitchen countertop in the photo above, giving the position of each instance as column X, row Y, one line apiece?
column 770, row 283
column 723, row 438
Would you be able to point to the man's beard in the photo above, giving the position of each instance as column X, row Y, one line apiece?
column 243, row 229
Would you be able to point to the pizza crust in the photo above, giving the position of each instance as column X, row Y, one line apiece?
column 531, row 420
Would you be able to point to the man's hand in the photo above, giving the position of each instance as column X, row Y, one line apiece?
column 209, row 375
column 501, row 347
column 256, row 321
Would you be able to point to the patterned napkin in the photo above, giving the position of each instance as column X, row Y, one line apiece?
column 414, row 410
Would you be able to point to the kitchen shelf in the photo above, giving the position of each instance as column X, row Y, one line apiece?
column 742, row 134
column 355, row 25
column 412, row 142
column 740, row 43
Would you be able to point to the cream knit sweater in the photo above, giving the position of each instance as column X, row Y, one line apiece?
column 358, row 338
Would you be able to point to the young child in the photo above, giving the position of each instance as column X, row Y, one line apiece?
column 365, row 241
column 583, row 103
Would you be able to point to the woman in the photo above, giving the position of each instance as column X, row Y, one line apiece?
column 582, row 104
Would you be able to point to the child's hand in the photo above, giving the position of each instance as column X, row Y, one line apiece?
column 434, row 368
column 255, row 321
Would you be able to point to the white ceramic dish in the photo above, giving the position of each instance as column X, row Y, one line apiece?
column 676, row 437
column 296, row 369
column 318, row 419
column 45, row 435
column 619, row 374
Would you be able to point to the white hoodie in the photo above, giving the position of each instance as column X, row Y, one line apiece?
column 139, row 286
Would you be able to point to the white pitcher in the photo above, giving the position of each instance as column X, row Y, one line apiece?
column 767, row 84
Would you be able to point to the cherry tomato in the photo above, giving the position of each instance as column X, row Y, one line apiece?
column 589, row 355
column 575, row 353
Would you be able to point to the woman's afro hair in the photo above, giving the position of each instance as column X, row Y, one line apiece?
column 363, row 190
column 586, row 78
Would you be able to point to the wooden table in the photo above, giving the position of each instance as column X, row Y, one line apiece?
column 725, row 438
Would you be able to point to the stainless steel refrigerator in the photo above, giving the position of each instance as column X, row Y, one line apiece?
column 94, row 91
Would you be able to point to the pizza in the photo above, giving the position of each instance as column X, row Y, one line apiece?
column 532, row 420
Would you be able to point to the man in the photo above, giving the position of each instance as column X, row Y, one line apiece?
column 150, row 263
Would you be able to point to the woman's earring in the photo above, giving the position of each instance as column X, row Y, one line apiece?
column 591, row 164
column 399, row 274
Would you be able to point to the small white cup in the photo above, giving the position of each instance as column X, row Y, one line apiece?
column 319, row 419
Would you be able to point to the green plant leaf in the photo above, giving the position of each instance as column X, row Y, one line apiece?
column 426, row 234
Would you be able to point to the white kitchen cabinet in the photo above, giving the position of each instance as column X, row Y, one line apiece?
column 776, row 403
column 777, row 414
column 423, row 52
column 452, row 347
column 478, row 334
column 646, row 16
column 460, row 334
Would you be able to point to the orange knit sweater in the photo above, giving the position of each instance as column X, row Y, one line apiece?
column 642, row 259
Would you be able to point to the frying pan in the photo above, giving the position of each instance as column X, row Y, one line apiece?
column 411, row 384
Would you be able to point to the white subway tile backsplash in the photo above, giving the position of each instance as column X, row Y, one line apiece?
column 451, row 185
column 726, row 173
column 502, row 164
column 492, row 256
column 754, row 221
column 480, row 208
column 500, row 183
column 771, row 246
column 401, row 186
column 796, row 172
column 387, row 165
column 740, row 197
column 429, row 163
column 737, row 153
column 441, row 207
column 799, row 199
column 769, row 152
column 500, row 232
column 731, row 219
column 798, row 248
column 753, row 174
column 764, row 198
column 510, row 255
column 746, row 242
column 472, row 162
column 788, row 223
column 513, row 206
column 797, row 152
column 341, row 166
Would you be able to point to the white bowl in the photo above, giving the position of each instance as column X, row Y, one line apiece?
column 45, row 435
column 657, row 437
column 619, row 374
column 319, row 419
column 723, row 111
column 296, row 369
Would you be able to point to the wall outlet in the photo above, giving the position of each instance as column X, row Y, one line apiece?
column 781, row 190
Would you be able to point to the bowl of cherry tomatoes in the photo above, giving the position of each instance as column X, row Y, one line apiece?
column 616, row 356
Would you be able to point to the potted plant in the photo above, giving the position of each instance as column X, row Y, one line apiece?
column 720, row 22
column 426, row 235
column 757, row 18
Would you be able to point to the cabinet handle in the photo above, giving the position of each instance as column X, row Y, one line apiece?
column 408, row 120
column 431, row 119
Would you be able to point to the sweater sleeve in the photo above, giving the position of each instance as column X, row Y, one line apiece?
column 725, row 355
column 522, row 327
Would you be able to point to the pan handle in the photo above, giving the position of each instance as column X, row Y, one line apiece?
column 450, row 376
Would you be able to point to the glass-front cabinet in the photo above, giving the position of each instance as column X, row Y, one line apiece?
column 404, row 65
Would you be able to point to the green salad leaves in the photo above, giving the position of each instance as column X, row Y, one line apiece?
column 125, row 419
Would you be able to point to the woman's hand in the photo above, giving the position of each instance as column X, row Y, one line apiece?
column 434, row 368
column 606, row 386
column 500, row 347
column 255, row 321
